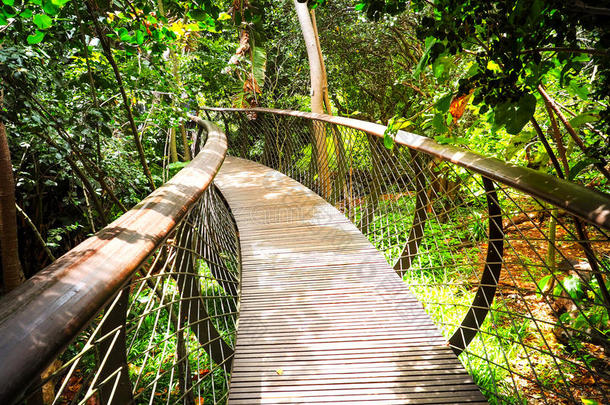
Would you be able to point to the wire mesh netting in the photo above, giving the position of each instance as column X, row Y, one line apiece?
column 518, row 287
column 168, row 335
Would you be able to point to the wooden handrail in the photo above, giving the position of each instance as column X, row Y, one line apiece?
column 590, row 205
column 41, row 317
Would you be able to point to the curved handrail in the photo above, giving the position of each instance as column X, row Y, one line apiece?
column 41, row 317
column 590, row 205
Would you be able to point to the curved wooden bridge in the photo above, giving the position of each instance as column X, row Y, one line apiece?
column 316, row 266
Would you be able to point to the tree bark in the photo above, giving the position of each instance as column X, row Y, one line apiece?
column 325, row 97
column 173, row 151
column 317, row 95
column 11, row 266
column 338, row 142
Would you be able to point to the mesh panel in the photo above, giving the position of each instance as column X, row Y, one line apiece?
column 517, row 286
column 168, row 335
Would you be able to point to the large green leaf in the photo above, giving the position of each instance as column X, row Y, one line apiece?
column 35, row 38
column 575, row 89
column 49, row 7
column 514, row 116
column 438, row 123
column 444, row 103
column 139, row 37
column 259, row 65
column 43, row 21
column 198, row 14
column 582, row 119
column 580, row 166
column 124, row 35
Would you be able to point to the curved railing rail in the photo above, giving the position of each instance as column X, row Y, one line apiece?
column 512, row 264
column 575, row 199
column 164, row 276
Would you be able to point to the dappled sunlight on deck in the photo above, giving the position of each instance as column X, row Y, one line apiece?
column 323, row 318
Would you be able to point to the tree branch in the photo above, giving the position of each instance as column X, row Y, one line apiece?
column 570, row 50
column 600, row 166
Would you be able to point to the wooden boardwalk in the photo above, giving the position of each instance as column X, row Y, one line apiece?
column 323, row 318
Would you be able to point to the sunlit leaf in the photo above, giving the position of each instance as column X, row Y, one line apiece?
column 444, row 103
column 43, row 21
column 36, row 37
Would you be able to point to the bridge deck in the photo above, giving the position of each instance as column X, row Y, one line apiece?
column 323, row 318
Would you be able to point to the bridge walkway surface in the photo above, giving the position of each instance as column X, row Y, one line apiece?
column 323, row 317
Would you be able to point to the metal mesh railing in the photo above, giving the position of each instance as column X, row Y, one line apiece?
column 154, row 295
column 511, row 264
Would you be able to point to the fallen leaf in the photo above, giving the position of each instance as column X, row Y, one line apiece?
column 279, row 371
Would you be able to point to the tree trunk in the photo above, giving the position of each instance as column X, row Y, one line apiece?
column 173, row 151
column 11, row 266
column 325, row 97
column 185, row 142
column 317, row 95
column 339, row 151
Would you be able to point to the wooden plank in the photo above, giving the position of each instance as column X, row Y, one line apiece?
column 323, row 318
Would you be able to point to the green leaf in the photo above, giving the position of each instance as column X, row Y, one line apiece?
column 429, row 43
column 440, row 66
column 514, row 116
column 139, row 37
column 27, row 13
column 43, row 21
column 59, row 3
column 360, row 6
column 49, row 8
column 579, row 166
column 124, row 35
column 525, row 111
column 581, row 91
column 438, row 123
column 389, row 133
column 259, row 65
column 198, row 15
column 542, row 283
column 36, row 37
column 9, row 2
column 443, row 103
column 582, row 119
column 388, row 142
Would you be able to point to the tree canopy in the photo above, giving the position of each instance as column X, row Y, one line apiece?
column 95, row 93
